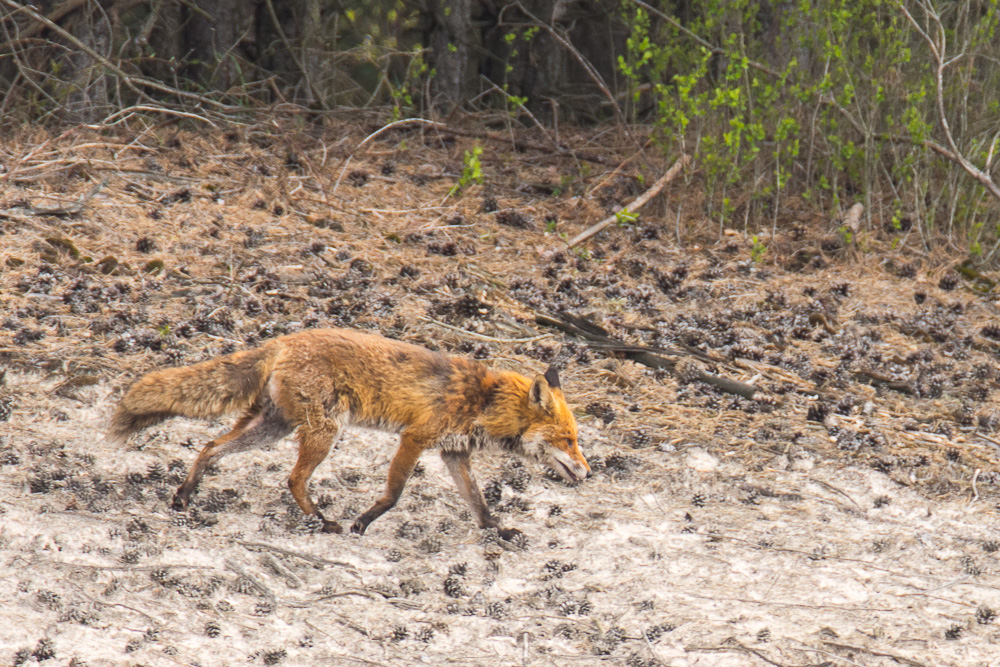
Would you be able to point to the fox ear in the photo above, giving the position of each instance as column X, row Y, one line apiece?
column 540, row 395
column 552, row 377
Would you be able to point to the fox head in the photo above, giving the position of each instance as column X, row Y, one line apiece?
column 551, row 433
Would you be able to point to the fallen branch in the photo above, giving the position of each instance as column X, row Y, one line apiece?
column 254, row 581
column 878, row 379
column 638, row 203
column 736, row 647
column 309, row 558
column 583, row 328
column 882, row 654
column 57, row 212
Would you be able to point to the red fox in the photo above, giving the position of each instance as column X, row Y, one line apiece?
column 318, row 381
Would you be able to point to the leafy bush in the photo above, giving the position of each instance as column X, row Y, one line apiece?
column 833, row 100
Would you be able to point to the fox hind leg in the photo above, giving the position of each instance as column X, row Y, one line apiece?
column 314, row 445
column 259, row 427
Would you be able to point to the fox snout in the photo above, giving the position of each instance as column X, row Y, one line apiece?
column 568, row 467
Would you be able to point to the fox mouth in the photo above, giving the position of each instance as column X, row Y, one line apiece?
column 570, row 474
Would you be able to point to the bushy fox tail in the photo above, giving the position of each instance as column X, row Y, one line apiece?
column 208, row 389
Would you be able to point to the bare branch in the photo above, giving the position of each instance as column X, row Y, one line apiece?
column 938, row 50
column 584, row 63
column 58, row 13
column 142, row 39
column 133, row 82
column 993, row 145
column 639, row 202
column 920, row 31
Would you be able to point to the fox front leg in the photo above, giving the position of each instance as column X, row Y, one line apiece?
column 461, row 471
column 411, row 446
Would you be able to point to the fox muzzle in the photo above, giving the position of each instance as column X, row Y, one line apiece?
column 567, row 466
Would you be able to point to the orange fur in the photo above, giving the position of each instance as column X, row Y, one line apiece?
column 316, row 382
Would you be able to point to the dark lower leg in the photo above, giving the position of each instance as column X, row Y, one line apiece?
column 458, row 464
column 210, row 452
column 400, row 469
column 261, row 426
column 461, row 471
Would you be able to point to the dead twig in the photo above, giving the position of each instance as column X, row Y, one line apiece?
column 882, row 654
column 340, row 619
column 125, row 568
column 736, row 647
column 264, row 590
column 391, row 126
column 831, row 487
column 839, row 658
column 489, row 136
column 507, row 96
column 583, row 328
column 292, row 580
column 315, row 560
column 123, row 115
column 621, row 166
column 877, row 379
column 638, row 203
column 561, row 149
column 58, row 211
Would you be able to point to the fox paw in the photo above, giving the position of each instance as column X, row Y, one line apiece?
column 358, row 527
column 509, row 534
column 179, row 503
column 332, row 527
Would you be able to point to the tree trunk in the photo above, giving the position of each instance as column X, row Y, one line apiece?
column 312, row 58
column 455, row 46
column 211, row 36
column 167, row 42
column 87, row 100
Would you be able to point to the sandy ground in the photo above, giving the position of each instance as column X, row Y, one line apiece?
column 672, row 564
column 845, row 516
